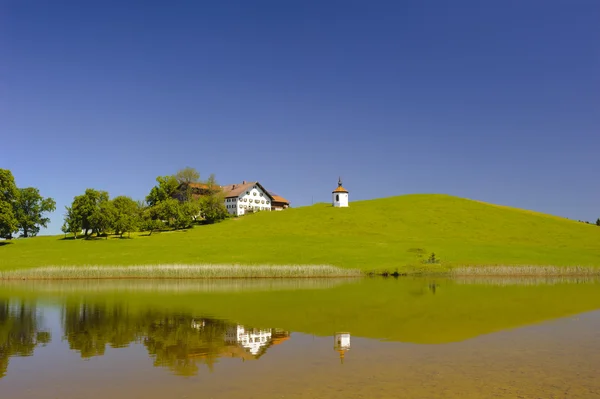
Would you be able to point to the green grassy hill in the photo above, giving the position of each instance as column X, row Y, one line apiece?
column 370, row 235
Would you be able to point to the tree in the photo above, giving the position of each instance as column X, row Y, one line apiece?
column 213, row 208
column 65, row 228
column 211, row 182
column 598, row 222
column 187, row 175
column 127, row 216
column 29, row 207
column 86, row 205
column 73, row 223
column 192, row 209
column 172, row 212
column 165, row 189
column 103, row 218
column 8, row 196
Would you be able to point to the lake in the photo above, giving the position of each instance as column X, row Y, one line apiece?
column 307, row 338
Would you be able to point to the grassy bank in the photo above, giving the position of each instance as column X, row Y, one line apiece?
column 396, row 233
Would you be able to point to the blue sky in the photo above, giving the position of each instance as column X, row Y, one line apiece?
column 495, row 101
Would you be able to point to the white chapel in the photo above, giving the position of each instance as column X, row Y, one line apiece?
column 340, row 196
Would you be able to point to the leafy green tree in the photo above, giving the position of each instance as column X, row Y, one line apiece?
column 213, row 208
column 211, row 182
column 598, row 222
column 8, row 196
column 73, row 223
column 192, row 209
column 103, row 218
column 127, row 215
column 65, row 228
column 173, row 213
column 187, row 175
column 165, row 189
column 85, row 206
column 29, row 209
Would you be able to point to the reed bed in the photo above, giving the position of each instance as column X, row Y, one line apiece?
column 526, row 270
column 500, row 281
column 175, row 286
column 175, row 271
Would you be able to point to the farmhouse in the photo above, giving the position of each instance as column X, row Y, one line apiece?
column 242, row 198
column 279, row 203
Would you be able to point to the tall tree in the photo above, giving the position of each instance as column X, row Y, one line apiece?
column 29, row 209
column 84, row 206
column 213, row 207
column 187, row 175
column 8, row 196
column 127, row 215
column 211, row 182
column 166, row 188
column 73, row 223
column 172, row 212
column 598, row 222
column 103, row 218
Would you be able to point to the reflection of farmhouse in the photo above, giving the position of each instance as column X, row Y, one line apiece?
column 254, row 342
column 341, row 344
column 243, row 198
column 244, row 342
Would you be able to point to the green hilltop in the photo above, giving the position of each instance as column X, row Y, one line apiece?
column 381, row 234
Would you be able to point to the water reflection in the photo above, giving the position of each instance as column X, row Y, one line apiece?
column 341, row 344
column 20, row 331
column 178, row 341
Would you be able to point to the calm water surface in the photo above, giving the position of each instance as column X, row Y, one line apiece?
column 372, row 338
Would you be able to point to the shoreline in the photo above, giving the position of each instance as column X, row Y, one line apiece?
column 270, row 272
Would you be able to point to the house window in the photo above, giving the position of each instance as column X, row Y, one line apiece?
column 263, row 201
column 337, row 197
column 254, row 193
column 261, row 194
column 247, row 192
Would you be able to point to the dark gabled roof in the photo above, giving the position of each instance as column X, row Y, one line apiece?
column 235, row 190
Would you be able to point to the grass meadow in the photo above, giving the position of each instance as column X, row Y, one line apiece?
column 395, row 233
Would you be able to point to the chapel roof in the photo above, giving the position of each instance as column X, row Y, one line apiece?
column 339, row 188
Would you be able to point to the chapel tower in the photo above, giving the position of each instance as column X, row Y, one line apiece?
column 340, row 196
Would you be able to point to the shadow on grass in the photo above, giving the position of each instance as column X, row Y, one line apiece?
column 3, row 243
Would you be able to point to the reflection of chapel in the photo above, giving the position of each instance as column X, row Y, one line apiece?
column 341, row 344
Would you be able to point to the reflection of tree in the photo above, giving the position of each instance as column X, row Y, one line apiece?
column 19, row 332
column 90, row 327
column 176, row 341
column 173, row 342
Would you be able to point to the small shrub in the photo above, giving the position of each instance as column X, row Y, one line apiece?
column 432, row 259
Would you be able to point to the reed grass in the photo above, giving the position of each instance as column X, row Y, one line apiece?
column 175, row 271
column 524, row 270
column 510, row 281
column 175, row 286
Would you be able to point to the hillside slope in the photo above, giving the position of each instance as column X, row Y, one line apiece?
column 371, row 235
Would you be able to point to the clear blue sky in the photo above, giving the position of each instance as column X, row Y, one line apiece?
column 496, row 101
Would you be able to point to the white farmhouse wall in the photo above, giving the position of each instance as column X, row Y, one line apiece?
column 238, row 206
column 340, row 199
